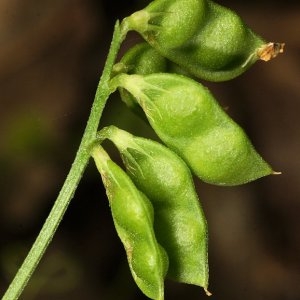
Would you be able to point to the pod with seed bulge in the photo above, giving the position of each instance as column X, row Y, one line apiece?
column 206, row 39
column 187, row 118
column 133, row 218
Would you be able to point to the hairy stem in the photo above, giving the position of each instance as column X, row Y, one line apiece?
column 82, row 157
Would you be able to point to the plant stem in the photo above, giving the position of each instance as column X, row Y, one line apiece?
column 66, row 194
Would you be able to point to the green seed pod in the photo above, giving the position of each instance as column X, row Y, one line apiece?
column 189, row 120
column 133, row 218
column 179, row 221
column 208, row 40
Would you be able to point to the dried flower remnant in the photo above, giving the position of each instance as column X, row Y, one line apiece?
column 270, row 51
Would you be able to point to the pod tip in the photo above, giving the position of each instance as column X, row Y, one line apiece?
column 207, row 292
column 276, row 173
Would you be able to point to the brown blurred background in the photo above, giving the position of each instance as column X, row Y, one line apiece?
column 51, row 57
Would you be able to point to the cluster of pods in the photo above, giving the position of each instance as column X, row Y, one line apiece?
column 155, row 208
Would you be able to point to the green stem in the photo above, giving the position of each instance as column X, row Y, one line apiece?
column 82, row 157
